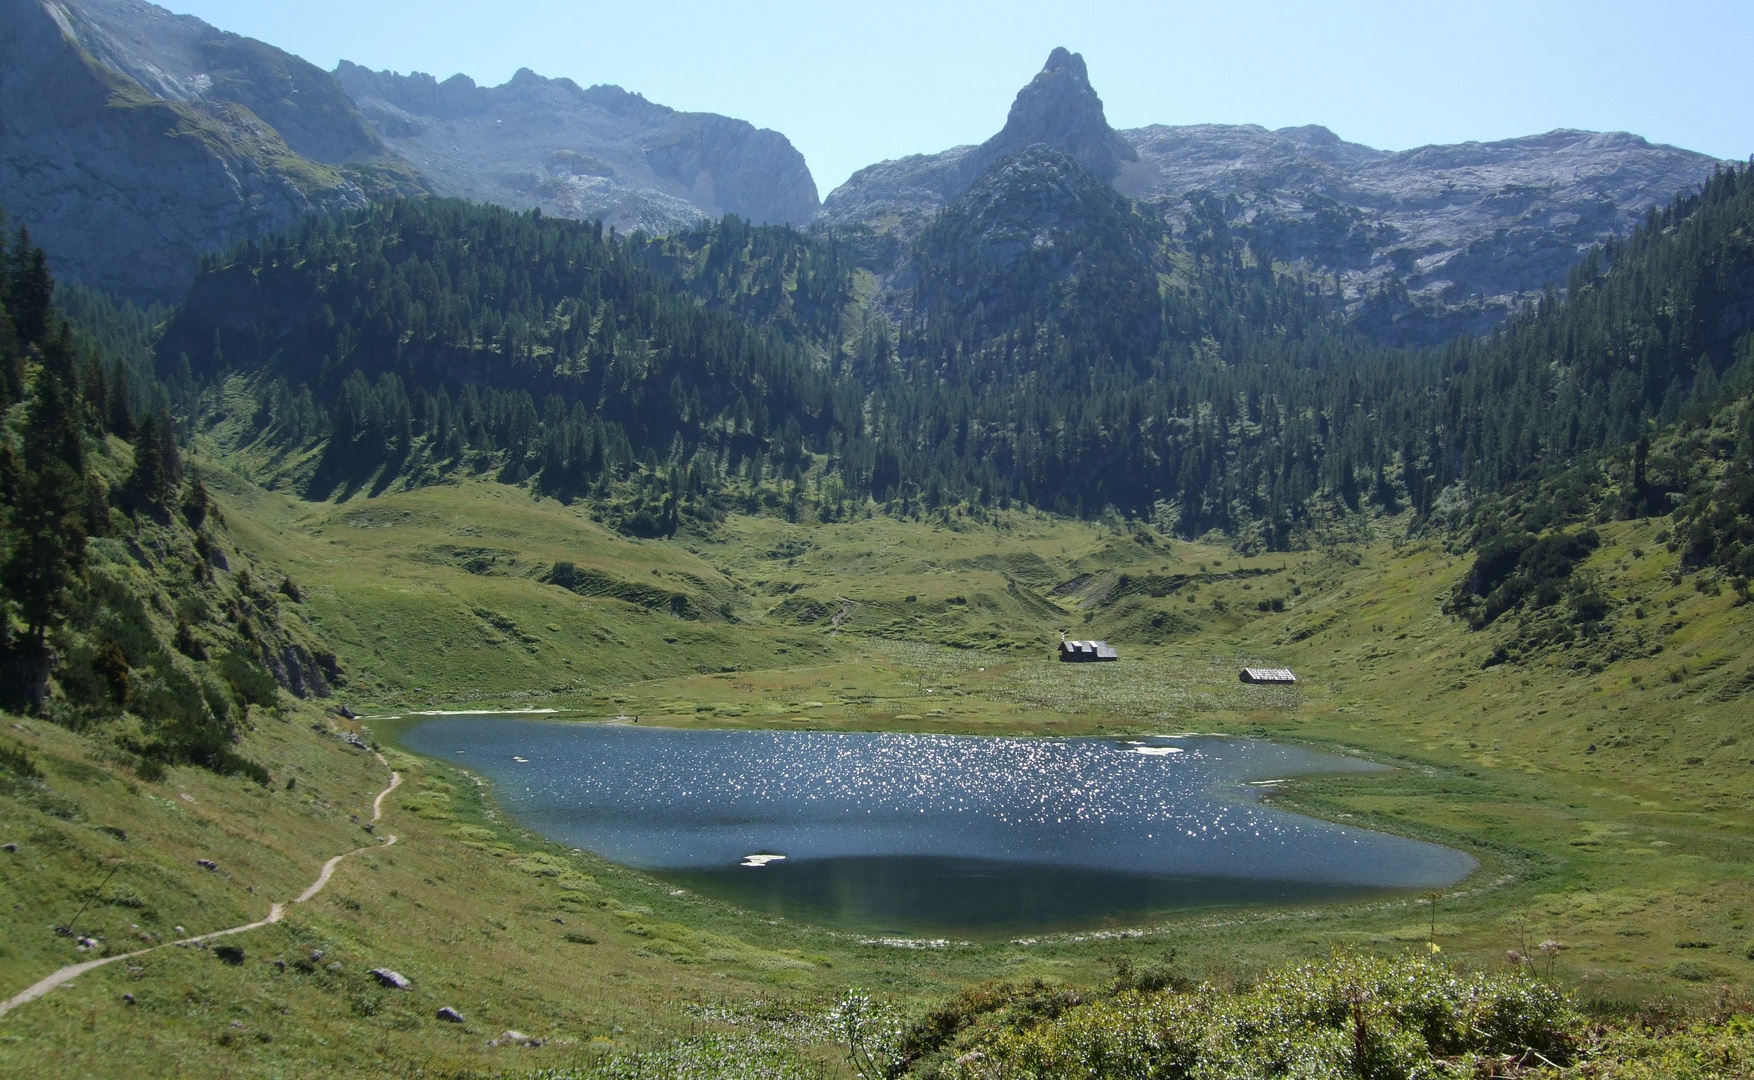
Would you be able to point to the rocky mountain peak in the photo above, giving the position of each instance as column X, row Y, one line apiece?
column 583, row 152
column 1059, row 108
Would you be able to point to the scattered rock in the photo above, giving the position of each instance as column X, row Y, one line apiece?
column 449, row 1015
column 391, row 978
column 207, row 864
column 346, row 714
column 8, row 847
column 87, row 943
column 514, row 1038
column 230, row 954
column 279, row 965
column 128, row 999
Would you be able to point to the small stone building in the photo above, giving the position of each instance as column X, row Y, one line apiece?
column 1084, row 652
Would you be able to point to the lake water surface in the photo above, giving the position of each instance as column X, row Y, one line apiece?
column 934, row 833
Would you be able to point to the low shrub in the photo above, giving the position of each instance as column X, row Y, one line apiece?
column 1387, row 1019
column 14, row 760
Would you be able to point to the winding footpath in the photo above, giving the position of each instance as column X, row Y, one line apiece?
column 275, row 911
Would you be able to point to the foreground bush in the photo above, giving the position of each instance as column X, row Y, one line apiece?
column 1352, row 1017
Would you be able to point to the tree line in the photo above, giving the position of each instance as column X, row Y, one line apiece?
column 1058, row 346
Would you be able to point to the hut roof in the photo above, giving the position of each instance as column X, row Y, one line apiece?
column 1101, row 650
column 1268, row 675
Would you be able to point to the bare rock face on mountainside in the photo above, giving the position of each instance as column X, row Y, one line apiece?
column 133, row 141
column 583, row 153
column 1058, row 109
column 1427, row 243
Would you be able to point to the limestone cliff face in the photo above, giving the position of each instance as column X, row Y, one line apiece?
column 1427, row 243
column 181, row 58
column 1058, row 110
column 133, row 141
column 596, row 152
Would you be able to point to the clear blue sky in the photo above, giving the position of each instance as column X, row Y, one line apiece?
column 855, row 83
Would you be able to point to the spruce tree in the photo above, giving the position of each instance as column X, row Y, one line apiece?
column 30, row 292
column 149, row 485
column 49, row 515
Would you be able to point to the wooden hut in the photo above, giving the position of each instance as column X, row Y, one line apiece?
column 1271, row 675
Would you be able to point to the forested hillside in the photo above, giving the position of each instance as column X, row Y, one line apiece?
column 121, row 612
column 474, row 329
column 1059, row 347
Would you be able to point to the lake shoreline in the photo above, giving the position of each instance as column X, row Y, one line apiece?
column 1241, row 791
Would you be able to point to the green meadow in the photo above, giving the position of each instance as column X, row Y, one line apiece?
column 1605, row 796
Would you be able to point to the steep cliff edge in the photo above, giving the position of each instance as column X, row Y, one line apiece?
column 133, row 141
column 597, row 152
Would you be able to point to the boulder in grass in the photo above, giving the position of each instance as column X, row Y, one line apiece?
column 449, row 1015
column 392, row 979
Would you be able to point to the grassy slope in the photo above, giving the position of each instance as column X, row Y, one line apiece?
column 1622, row 854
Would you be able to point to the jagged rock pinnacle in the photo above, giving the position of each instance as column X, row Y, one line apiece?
column 1059, row 108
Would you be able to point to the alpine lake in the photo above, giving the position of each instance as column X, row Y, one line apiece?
column 903, row 834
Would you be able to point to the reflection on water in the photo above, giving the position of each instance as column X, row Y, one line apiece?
column 932, row 832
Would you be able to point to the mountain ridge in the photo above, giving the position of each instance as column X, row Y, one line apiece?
column 134, row 142
column 130, row 183
column 583, row 152
column 1423, row 244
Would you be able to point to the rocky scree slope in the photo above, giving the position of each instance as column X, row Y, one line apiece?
column 1426, row 243
column 596, row 153
column 133, row 141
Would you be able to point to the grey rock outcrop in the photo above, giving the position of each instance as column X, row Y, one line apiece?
column 181, row 58
column 1426, row 243
column 1058, row 109
column 133, row 141
column 597, row 152
column 1453, row 234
